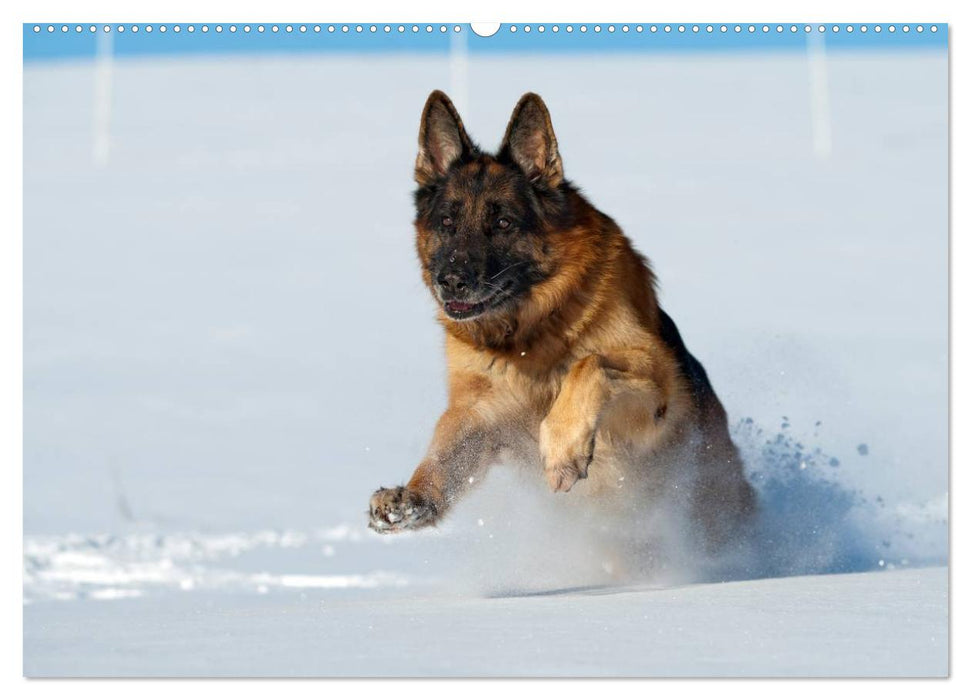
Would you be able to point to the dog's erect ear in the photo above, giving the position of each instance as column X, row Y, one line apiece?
column 441, row 138
column 531, row 143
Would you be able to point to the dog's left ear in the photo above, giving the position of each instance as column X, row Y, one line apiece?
column 531, row 143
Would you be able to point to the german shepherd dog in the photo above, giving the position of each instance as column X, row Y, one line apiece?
column 559, row 357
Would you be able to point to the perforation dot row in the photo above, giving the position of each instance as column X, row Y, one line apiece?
column 725, row 28
column 513, row 28
column 258, row 28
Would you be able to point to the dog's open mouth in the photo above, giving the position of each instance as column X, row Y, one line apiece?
column 465, row 310
column 461, row 309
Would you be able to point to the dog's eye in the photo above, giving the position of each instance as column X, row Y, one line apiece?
column 503, row 223
column 447, row 221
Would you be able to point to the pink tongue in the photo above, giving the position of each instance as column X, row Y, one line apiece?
column 459, row 306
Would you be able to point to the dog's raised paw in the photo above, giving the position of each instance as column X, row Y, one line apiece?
column 566, row 455
column 397, row 509
column 562, row 476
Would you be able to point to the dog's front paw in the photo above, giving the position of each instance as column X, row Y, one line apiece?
column 397, row 509
column 566, row 455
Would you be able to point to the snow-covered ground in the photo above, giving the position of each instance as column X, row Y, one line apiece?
column 880, row 624
column 227, row 347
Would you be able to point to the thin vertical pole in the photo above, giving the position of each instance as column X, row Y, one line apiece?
column 819, row 95
column 458, row 68
column 102, row 98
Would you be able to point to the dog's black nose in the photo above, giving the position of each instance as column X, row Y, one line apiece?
column 452, row 283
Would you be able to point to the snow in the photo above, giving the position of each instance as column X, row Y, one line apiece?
column 877, row 624
column 227, row 348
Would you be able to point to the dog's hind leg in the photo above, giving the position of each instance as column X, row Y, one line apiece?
column 722, row 500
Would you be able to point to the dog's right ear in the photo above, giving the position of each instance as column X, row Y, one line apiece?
column 441, row 139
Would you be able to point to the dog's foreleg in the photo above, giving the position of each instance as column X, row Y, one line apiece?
column 624, row 392
column 464, row 443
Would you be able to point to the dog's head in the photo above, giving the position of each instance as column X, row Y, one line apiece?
column 485, row 222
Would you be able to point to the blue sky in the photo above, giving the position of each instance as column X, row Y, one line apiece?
column 218, row 38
